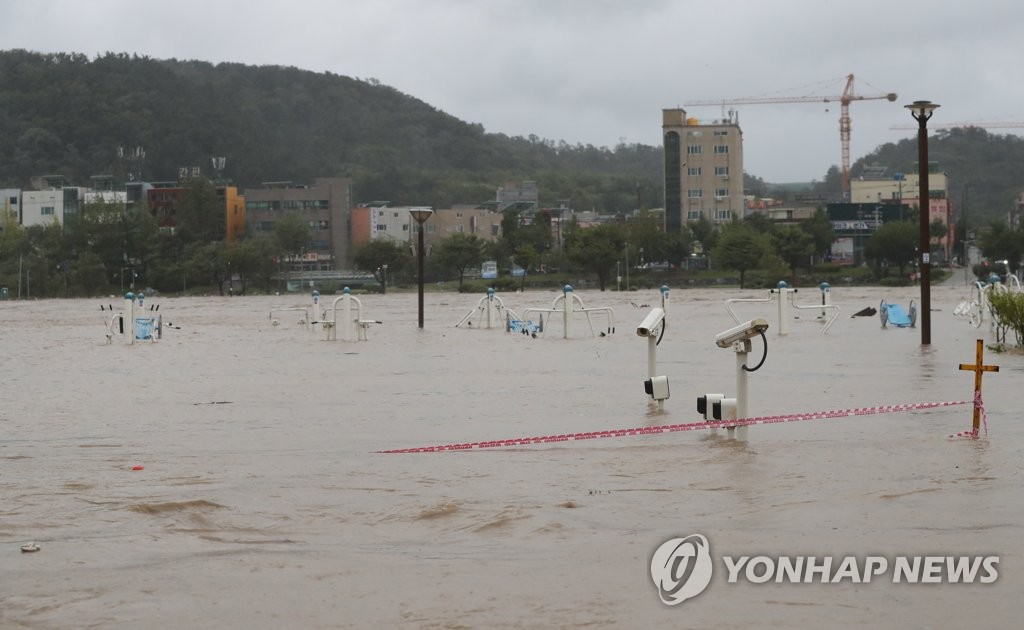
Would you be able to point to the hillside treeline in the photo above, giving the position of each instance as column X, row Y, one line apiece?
column 66, row 114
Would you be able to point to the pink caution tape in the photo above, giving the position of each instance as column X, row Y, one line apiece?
column 973, row 433
column 690, row 426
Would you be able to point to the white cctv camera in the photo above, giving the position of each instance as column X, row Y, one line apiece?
column 742, row 332
column 654, row 320
column 657, row 387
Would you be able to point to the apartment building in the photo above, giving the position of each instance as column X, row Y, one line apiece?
column 375, row 221
column 10, row 206
column 903, row 190
column 326, row 206
column 703, row 169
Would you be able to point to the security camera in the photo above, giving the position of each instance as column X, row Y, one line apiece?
column 654, row 320
column 706, row 403
column 741, row 332
column 657, row 387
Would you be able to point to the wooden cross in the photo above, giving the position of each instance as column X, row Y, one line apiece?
column 978, row 368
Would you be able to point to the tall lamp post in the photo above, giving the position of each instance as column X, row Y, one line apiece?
column 420, row 215
column 922, row 111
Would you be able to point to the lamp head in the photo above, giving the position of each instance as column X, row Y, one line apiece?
column 922, row 109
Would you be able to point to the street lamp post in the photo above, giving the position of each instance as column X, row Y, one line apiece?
column 626, row 251
column 922, row 111
column 420, row 215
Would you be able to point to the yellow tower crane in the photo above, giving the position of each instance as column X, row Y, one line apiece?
column 847, row 97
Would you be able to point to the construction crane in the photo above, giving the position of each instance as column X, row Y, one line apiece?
column 847, row 97
column 978, row 125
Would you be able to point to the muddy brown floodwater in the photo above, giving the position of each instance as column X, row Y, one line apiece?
column 263, row 500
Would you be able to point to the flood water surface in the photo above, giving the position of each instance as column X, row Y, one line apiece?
column 263, row 500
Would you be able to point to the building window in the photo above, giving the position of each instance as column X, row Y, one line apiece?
column 460, row 228
column 693, row 171
column 431, row 229
column 695, row 134
column 693, row 215
column 721, row 132
column 722, row 215
column 721, row 149
column 458, row 215
column 694, row 193
column 721, row 192
column 722, row 171
column 694, row 149
column 382, row 227
column 46, row 210
column 323, row 224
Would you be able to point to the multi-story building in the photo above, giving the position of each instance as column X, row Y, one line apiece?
column 467, row 219
column 904, row 191
column 525, row 195
column 376, row 220
column 165, row 198
column 52, row 205
column 10, row 206
column 703, row 169
column 326, row 206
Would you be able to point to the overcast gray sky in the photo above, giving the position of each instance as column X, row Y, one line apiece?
column 599, row 71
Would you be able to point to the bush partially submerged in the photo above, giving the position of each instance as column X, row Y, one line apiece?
column 1008, row 311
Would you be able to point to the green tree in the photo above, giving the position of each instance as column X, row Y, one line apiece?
column 252, row 259
column 596, row 249
column 895, row 243
column 210, row 262
column 458, row 253
column 739, row 248
column 999, row 242
column 528, row 258
column 200, row 218
column 795, row 247
column 703, row 231
column 292, row 236
column 377, row 255
column 820, row 228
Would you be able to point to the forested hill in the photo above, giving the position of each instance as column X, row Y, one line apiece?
column 986, row 171
column 66, row 114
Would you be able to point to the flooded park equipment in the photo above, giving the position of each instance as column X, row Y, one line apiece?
column 490, row 312
column 974, row 308
column 783, row 293
column 133, row 323
column 304, row 319
column 569, row 304
column 348, row 317
column 896, row 315
column 717, row 406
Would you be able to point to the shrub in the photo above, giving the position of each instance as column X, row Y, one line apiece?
column 1008, row 310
